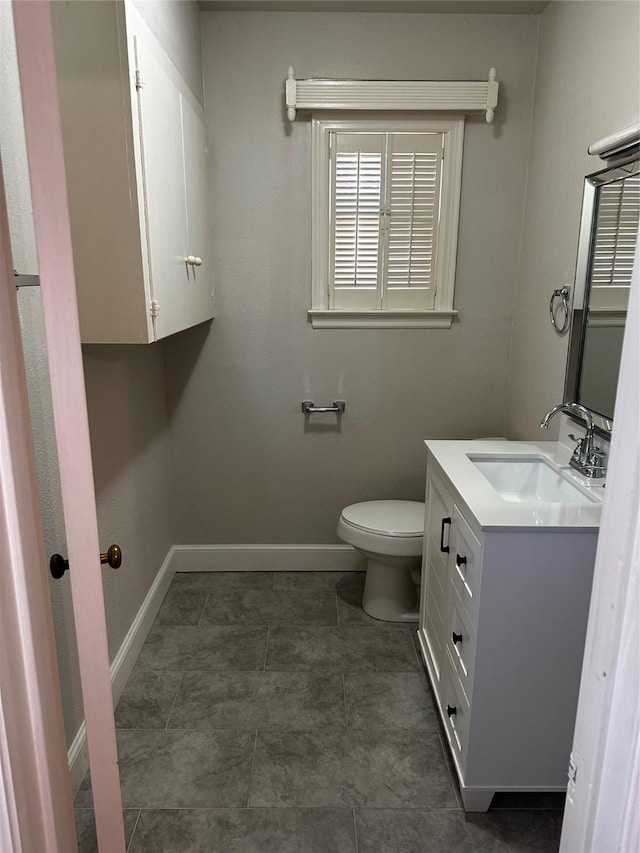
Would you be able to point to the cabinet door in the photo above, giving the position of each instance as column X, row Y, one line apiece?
column 199, row 305
column 160, row 123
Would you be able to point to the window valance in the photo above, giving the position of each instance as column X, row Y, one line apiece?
column 465, row 96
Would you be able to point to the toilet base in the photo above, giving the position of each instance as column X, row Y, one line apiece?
column 390, row 593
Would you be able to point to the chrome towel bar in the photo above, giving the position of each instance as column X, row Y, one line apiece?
column 309, row 407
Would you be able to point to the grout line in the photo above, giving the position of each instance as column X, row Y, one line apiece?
column 344, row 697
column 355, row 830
column 266, row 650
column 253, row 764
column 204, row 607
column 173, row 808
column 135, row 826
column 175, row 699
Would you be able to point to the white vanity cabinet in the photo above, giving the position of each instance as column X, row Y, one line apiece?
column 502, row 628
column 135, row 152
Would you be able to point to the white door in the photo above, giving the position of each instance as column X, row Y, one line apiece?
column 50, row 212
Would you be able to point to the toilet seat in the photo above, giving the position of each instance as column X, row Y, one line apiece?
column 402, row 519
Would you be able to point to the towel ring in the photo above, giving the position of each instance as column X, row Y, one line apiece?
column 562, row 293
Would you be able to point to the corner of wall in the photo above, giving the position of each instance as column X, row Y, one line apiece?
column 508, row 427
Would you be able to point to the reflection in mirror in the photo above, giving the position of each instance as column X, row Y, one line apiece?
column 608, row 236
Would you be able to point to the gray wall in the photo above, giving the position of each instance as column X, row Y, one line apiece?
column 587, row 87
column 246, row 468
column 176, row 25
column 128, row 423
column 130, row 448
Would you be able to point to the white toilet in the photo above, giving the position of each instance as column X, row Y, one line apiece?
column 389, row 534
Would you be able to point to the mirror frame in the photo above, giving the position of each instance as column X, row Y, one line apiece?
column 628, row 165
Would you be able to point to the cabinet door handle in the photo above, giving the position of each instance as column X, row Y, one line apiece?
column 444, row 548
column 460, row 561
column 451, row 711
column 457, row 638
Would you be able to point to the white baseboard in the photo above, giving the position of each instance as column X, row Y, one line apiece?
column 78, row 758
column 272, row 558
column 123, row 662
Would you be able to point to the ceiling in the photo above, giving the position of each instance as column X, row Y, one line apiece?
column 465, row 7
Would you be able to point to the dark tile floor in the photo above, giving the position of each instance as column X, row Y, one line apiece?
column 268, row 712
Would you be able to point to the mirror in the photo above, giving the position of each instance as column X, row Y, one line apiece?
column 606, row 248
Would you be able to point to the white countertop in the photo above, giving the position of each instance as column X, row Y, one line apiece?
column 491, row 511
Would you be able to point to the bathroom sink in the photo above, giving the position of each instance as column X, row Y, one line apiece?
column 520, row 479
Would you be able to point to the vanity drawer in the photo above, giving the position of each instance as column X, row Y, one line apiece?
column 461, row 642
column 456, row 713
column 466, row 564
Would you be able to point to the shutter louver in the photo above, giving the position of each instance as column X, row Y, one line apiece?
column 413, row 207
column 616, row 233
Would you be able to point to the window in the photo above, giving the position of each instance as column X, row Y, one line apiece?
column 385, row 219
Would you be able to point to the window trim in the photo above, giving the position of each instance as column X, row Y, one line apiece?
column 441, row 316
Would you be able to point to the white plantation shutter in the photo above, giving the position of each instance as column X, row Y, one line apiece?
column 616, row 233
column 385, row 212
column 384, row 220
column 412, row 209
column 357, row 183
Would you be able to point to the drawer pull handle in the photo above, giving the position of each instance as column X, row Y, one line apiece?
column 460, row 561
column 444, row 548
column 457, row 638
column 451, row 711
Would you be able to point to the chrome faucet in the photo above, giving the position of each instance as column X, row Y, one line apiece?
column 586, row 458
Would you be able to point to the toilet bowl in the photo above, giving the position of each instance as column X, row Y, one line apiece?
column 389, row 534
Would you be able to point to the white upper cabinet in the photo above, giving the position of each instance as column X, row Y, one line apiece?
column 135, row 151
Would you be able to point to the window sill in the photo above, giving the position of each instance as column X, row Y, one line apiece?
column 325, row 319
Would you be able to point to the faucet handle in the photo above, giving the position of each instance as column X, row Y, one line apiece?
column 596, row 467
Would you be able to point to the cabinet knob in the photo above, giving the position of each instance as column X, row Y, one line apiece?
column 457, row 638
column 451, row 710
column 460, row 560
column 194, row 260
